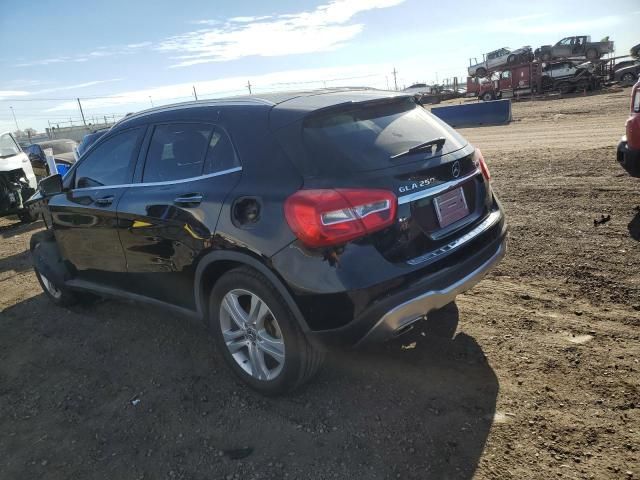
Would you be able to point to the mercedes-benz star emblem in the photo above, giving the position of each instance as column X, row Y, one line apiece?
column 455, row 169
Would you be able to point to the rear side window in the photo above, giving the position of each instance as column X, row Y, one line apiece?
column 366, row 136
column 111, row 162
column 177, row 151
column 221, row 155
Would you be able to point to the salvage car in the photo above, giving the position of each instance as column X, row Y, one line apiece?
column 63, row 155
column 628, row 74
column 88, row 140
column 575, row 47
column 498, row 58
column 287, row 222
column 628, row 154
column 17, row 180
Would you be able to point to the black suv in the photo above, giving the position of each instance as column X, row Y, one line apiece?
column 287, row 222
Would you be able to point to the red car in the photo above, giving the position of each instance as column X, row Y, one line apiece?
column 629, row 146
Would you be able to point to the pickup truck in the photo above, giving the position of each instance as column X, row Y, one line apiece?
column 629, row 147
column 498, row 58
column 574, row 47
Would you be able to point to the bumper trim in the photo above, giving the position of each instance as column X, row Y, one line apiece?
column 483, row 226
column 412, row 310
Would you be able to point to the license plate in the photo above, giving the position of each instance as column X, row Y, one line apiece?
column 451, row 207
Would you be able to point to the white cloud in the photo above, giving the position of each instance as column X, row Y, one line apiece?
column 326, row 28
column 8, row 94
column 84, row 57
column 76, row 86
column 249, row 19
column 364, row 74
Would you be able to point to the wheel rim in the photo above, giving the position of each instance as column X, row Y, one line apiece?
column 251, row 334
column 54, row 291
column 627, row 77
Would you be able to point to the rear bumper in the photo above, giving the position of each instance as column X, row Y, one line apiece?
column 393, row 313
column 399, row 318
column 628, row 158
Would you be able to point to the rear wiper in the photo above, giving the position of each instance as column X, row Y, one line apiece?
column 438, row 142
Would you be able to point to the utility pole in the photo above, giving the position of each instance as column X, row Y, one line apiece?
column 386, row 77
column 81, row 112
column 105, row 120
column 14, row 118
column 395, row 77
column 151, row 101
column 195, row 94
column 249, row 86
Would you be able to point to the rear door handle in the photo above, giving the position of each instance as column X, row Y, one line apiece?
column 188, row 199
column 104, row 201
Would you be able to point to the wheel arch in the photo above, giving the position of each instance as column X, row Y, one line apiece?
column 47, row 257
column 214, row 264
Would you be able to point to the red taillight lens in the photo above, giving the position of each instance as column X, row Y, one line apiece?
column 478, row 160
column 328, row 217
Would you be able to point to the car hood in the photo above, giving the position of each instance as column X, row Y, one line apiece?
column 14, row 162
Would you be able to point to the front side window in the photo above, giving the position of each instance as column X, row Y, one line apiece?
column 565, row 41
column 177, row 151
column 111, row 162
column 636, row 101
column 8, row 146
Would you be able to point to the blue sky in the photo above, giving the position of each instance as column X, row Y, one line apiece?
column 125, row 51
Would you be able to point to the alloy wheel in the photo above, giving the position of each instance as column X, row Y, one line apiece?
column 54, row 291
column 251, row 334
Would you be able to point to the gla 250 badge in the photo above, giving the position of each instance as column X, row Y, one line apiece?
column 456, row 169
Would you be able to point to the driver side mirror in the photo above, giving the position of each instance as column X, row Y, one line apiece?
column 51, row 185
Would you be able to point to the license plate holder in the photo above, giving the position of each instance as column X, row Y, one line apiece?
column 451, row 207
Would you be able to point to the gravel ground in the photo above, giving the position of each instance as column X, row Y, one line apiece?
column 540, row 381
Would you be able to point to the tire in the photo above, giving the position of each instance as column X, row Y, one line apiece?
column 564, row 87
column 546, row 56
column 628, row 78
column 592, row 54
column 59, row 295
column 487, row 96
column 26, row 217
column 261, row 340
column 481, row 72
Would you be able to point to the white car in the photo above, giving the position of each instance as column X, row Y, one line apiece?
column 565, row 69
column 498, row 58
column 17, row 180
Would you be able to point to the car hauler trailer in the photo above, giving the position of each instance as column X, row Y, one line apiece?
column 527, row 79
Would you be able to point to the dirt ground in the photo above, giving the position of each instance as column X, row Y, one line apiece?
column 540, row 382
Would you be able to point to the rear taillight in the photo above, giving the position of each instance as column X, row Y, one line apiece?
column 320, row 218
column 478, row 161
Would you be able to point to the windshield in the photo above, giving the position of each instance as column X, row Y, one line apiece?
column 365, row 138
column 60, row 147
column 8, row 146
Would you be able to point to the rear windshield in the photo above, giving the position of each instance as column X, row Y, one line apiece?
column 367, row 136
